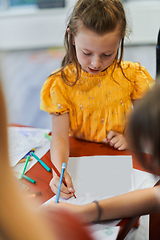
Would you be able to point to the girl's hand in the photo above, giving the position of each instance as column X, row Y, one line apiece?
column 116, row 140
column 66, row 191
column 61, row 205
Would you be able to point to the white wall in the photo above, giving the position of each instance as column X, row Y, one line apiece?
column 34, row 28
column 144, row 18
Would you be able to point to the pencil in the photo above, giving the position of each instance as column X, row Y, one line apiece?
column 41, row 162
column 60, row 182
column 58, row 174
column 24, row 169
column 29, row 179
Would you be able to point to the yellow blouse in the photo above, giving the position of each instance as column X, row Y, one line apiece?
column 97, row 103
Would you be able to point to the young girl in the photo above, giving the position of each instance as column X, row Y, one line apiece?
column 91, row 96
column 143, row 128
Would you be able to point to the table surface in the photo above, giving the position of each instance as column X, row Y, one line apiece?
column 82, row 148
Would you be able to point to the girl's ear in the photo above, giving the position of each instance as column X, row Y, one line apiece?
column 70, row 35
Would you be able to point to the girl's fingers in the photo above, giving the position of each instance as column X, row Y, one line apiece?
column 117, row 140
column 64, row 193
column 105, row 140
column 69, row 183
column 111, row 134
column 123, row 146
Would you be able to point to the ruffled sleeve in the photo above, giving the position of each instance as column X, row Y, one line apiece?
column 53, row 97
column 142, row 81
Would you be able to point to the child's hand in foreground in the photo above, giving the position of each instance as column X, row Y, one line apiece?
column 116, row 140
column 79, row 210
column 66, row 191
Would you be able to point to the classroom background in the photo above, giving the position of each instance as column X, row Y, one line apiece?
column 31, row 46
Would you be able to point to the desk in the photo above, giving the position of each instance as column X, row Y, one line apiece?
column 80, row 148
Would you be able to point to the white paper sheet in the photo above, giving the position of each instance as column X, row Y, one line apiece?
column 144, row 180
column 104, row 176
column 106, row 233
column 22, row 140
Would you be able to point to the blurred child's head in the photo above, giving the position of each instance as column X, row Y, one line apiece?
column 144, row 129
column 99, row 17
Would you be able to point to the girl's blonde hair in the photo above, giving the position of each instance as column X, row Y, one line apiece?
column 99, row 16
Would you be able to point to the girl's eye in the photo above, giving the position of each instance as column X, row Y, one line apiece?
column 107, row 55
column 87, row 53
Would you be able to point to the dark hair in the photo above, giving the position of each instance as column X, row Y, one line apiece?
column 144, row 128
column 99, row 16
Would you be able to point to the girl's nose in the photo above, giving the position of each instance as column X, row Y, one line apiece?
column 96, row 62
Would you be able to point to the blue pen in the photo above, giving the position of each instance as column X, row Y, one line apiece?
column 60, row 182
column 41, row 162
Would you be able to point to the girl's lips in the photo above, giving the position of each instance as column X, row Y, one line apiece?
column 93, row 70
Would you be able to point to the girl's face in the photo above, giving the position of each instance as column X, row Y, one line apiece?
column 96, row 52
